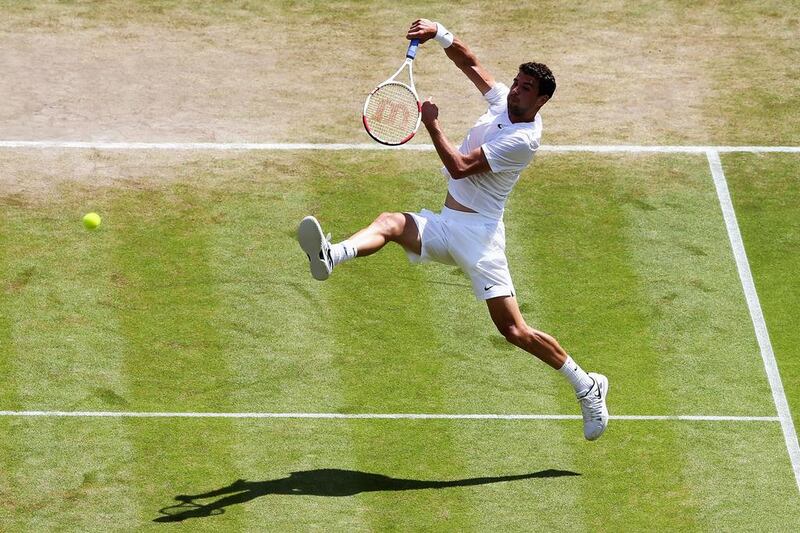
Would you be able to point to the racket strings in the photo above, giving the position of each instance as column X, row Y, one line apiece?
column 392, row 113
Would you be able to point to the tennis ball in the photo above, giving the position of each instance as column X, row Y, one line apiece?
column 91, row 220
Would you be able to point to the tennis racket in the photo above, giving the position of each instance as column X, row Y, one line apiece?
column 392, row 111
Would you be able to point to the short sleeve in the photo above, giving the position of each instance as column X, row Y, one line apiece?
column 496, row 95
column 508, row 153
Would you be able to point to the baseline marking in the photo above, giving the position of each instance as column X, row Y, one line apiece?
column 757, row 316
column 100, row 145
column 384, row 416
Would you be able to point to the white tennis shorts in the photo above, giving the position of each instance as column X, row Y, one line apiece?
column 471, row 241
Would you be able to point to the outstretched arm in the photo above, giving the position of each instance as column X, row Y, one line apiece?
column 458, row 52
column 457, row 164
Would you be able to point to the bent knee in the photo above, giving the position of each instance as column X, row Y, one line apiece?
column 514, row 333
column 391, row 224
column 524, row 335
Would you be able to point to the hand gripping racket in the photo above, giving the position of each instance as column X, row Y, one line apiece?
column 392, row 111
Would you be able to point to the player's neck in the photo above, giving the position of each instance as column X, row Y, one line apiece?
column 528, row 117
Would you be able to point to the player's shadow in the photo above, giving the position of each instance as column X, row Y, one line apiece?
column 321, row 482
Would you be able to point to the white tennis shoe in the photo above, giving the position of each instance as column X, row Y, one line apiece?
column 593, row 407
column 316, row 246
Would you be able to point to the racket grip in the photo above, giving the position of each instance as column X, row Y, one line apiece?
column 412, row 49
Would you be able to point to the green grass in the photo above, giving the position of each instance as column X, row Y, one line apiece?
column 90, row 479
column 766, row 196
column 193, row 296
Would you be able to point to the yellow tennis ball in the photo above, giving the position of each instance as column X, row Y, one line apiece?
column 91, row 220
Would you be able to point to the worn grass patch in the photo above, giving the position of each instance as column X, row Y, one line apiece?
column 655, row 72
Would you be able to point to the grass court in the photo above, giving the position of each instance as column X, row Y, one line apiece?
column 194, row 297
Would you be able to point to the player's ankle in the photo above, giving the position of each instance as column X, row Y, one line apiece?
column 343, row 251
column 577, row 377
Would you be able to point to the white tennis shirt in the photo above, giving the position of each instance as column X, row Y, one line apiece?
column 509, row 148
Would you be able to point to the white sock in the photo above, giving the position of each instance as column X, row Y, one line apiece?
column 579, row 379
column 343, row 251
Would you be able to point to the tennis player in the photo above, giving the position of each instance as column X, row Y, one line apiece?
column 469, row 230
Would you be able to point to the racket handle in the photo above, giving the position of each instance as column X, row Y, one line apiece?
column 412, row 49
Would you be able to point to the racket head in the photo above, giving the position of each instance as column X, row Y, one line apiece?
column 392, row 113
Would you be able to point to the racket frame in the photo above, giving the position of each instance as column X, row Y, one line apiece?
column 411, row 53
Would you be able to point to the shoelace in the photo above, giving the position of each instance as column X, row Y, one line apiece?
column 326, row 256
column 593, row 402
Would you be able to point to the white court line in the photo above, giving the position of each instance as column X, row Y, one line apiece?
column 390, row 416
column 757, row 316
column 712, row 153
column 101, row 145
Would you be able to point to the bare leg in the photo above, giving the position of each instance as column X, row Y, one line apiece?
column 591, row 389
column 506, row 316
column 394, row 227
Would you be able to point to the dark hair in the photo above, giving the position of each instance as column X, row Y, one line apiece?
column 547, row 82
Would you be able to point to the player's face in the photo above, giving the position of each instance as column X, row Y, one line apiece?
column 523, row 96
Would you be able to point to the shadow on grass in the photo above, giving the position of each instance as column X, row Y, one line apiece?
column 321, row 482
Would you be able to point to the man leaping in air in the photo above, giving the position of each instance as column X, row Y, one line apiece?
column 469, row 230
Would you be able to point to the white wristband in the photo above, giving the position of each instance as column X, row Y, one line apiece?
column 443, row 35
